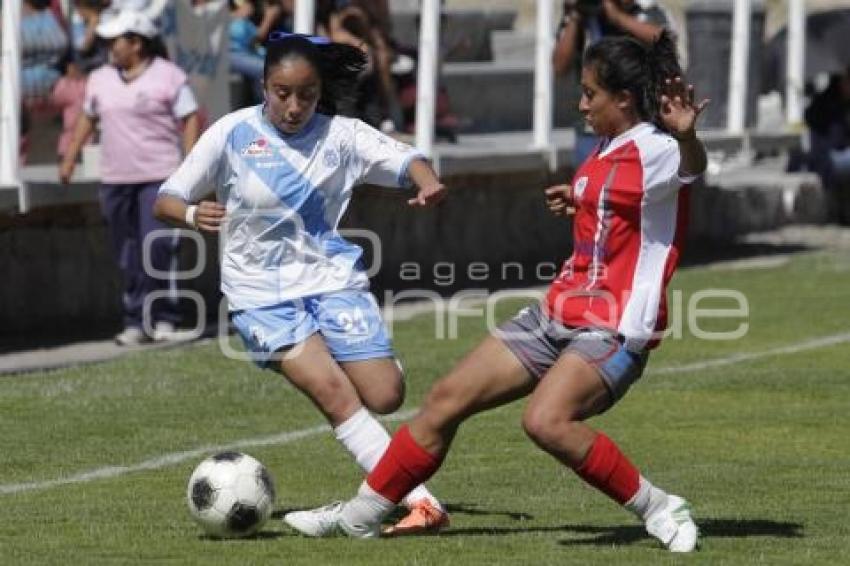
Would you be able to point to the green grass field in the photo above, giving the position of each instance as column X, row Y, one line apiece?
column 758, row 444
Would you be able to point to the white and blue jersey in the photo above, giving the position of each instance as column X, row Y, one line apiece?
column 284, row 196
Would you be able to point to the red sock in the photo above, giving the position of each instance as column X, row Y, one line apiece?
column 403, row 466
column 608, row 470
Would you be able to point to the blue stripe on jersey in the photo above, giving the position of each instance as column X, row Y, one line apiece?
column 293, row 189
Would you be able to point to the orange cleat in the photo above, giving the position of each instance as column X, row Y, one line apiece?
column 424, row 518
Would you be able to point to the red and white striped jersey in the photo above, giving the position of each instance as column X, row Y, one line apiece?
column 628, row 233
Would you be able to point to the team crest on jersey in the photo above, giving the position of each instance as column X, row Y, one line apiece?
column 578, row 189
column 331, row 158
column 258, row 148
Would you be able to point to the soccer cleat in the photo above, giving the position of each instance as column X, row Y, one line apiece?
column 132, row 336
column 424, row 518
column 358, row 530
column 319, row 522
column 165, row 331
column 329, row 521
column 673, row 526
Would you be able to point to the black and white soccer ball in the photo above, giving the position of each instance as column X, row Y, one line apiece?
column 231, row 495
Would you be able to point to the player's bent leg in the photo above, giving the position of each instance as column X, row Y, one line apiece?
column 379, row 383
column 574, row 390
column 568, row 393
column 312, row 370
column 489, row 376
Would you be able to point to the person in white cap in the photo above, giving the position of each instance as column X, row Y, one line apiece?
column 146, row 111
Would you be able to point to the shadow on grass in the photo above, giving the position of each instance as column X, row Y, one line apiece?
column 628, row 534
column 262, row 535
column 473, row 509
column 709, row 528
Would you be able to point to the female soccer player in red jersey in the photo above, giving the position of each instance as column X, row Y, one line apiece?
column 579, row 351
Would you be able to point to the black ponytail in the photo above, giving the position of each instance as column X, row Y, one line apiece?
column 624, row 63
column 339, row 66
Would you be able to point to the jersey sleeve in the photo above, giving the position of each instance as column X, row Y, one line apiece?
column 203, row 169
column 380, row 159
column 661, row 169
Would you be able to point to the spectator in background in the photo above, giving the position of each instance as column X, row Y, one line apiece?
column 246, row 52
column 68, row 95
column 828, row 119
column 376, row 101
column 275, row 15
column 43, row 43
column 587, row 21
column 142, row 102
column 88, row 50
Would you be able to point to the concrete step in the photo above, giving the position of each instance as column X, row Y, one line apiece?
column 734, row 201
column 464, row 34
column 498, row 96
column 510, row 46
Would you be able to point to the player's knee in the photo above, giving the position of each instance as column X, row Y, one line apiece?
column 386, row 399
column 547, row 427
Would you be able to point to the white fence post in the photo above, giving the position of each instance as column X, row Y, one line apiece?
column 543, row 76
column 796, row 61
column 305, row 16
column 738, row 68
column 426, row 84
column 10, row 101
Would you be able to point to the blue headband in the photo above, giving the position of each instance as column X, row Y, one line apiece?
column 314, row 39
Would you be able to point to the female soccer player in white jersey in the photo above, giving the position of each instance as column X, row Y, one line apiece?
column 578, row 352
column 298, row 295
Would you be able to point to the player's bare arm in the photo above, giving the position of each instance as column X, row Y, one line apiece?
column 680, row 112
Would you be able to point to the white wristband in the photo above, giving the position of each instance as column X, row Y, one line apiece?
column 191, row 215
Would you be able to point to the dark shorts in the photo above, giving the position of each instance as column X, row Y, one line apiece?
column 538, row 341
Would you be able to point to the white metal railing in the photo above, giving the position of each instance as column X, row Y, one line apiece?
column 737, row 101
column 305, row 16
column 794, row 77
column 544, row 84
column 426, row 79
column 10, row 101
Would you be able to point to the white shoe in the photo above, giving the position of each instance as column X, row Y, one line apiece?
column 165, row 331
column 319, row 522
column 673, row 526
column 132, row 336
column 353, row 528
column 330, row 521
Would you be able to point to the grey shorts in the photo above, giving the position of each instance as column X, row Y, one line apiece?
column 538, row 341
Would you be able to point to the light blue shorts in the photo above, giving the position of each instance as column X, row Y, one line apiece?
column 349, row 322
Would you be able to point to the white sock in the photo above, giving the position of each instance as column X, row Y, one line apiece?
column 366, row 440
column 647, row 500
column 368, row 507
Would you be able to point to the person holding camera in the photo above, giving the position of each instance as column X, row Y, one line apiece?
column 587, row 21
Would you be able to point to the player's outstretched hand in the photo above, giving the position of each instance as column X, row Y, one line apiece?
column 429, row 196
column 679, row 112
column 209, row 216
column 559, row 200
